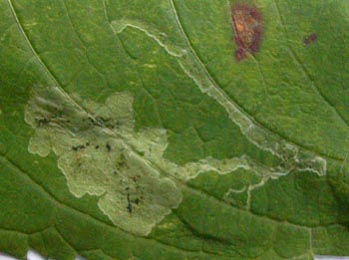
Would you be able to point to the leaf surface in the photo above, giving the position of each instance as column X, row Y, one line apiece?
column 129, row 131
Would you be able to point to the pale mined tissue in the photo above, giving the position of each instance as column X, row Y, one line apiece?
column 96, row 160
column 100, row 154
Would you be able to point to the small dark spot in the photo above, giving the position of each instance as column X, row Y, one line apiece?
column 78, row 147
column 42, row 121
column 108, row 147
column 127, row 188
column 309, row 39
column 115, row 172
column 97, row 146
column 129, row 205
column 136, row 201
column 88, row 144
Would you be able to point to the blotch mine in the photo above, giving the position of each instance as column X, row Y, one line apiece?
column 131, row 191
column 101, row 154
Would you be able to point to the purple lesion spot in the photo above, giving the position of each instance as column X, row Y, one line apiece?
column 247, row 27
column 309, row 39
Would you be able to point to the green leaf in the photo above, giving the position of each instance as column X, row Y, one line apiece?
column 128, row 130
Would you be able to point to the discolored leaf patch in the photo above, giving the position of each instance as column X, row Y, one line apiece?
column 309, row 39
column 247, row 26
